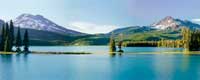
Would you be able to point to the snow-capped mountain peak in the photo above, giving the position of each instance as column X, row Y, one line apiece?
column 172, row 23
column 38, row 22
column 167, row 22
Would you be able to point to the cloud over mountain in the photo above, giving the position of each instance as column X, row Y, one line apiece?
column 92, row 28
column 196, row 20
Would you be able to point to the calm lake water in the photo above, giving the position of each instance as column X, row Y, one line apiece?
column 100, row 66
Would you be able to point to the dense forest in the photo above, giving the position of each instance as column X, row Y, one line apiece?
column 140, row 43
column 9, row 41
column 190, row 41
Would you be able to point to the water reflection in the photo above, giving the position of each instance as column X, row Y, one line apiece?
column 25, row 58
column 120, row 53
column 113, row 54
column 190, row 67
column 6, row 67
column 22, row 57
column 164, row 66
column 12, row 64
column 185, row 62
column 117, row 66
column 177, row 67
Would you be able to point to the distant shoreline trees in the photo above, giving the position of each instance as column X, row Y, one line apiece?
column 140, row 44
column 8, row 39
column 190, row 41
column 170, row 43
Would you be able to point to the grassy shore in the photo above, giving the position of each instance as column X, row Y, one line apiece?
column 79, row 53
column 36, row 52
column 168, row 52
column 7, row 52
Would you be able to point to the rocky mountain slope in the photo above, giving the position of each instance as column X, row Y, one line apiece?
column 172, row 23
column 39, row 22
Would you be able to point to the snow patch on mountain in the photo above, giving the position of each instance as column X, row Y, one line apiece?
column 171, row 23
column 38, row 22
column 167, row 22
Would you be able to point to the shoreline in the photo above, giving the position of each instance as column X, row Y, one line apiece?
column 36, row 52
column 85, row 53
column 76, row 53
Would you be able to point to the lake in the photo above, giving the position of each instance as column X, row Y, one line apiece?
column 131, row 65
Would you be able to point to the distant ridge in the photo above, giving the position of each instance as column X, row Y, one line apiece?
column 164, row 24
column 45, row 32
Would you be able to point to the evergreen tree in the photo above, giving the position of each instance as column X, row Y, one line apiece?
column 186, row 36
column 120, row 43
column 194, row 44
column 7, row 39
column 26, row 41
column 7, row 29
column 2, row 38
column 12, row 37
column 112, row 44
column 6, row 45
column 18, row 40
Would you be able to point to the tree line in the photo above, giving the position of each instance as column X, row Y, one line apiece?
column 190, row 41
column 170, row 43
column 9, row 40
column 161, row 43
column 140, row 43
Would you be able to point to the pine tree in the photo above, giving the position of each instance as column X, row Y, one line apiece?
column 7, row 29
column 120, row 43
column 11, row 35
column 26, row 41
column 194, row 44
column 112, row 44
column 7, row 39
column 18, row 40
column 186, row 35
column 6, row 45
column 2, row 38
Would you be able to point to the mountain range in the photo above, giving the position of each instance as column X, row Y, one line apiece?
column 45, row 32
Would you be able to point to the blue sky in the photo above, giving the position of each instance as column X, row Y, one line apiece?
column 101, row 16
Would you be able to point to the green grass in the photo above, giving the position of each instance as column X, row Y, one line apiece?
column 2, row 52
column 36, row 52
column 101, row 39
column 152, row 36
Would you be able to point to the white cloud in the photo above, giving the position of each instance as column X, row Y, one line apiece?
column 91, row 28
column 196, row 20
